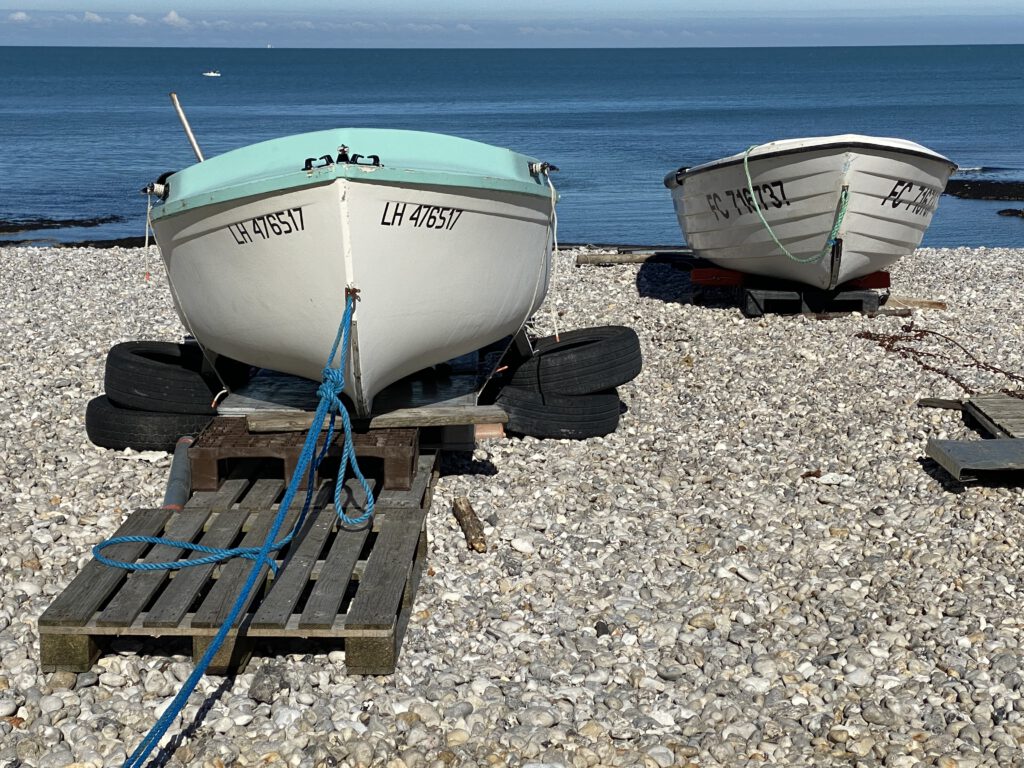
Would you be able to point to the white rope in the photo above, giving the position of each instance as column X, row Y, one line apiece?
column 554, row 253
column 149, row 225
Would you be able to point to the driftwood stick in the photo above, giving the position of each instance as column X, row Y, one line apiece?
column 611, row 259
column 471, row 526
column 912, row 303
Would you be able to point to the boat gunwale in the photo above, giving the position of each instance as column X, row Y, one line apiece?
column 366, row 174
column 676, row 178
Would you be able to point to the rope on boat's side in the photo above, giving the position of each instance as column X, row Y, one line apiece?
column 554, row 247
column 330, row 404
column 844, row 201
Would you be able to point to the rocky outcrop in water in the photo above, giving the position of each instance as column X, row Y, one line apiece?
column 975, row 189
column 8, row 226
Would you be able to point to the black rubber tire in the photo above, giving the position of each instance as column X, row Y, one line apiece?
column 111, row 427
column 574, row 417
column 581, row 362
column 166, row 377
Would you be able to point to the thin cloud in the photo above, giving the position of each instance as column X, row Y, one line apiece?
column 553, row 31
column 172, row 19
column 423, row 29
column 18, row 17
column 93, row 18
column 464, row 28
column 138, row 21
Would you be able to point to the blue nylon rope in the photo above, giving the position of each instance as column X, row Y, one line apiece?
column 330, row 404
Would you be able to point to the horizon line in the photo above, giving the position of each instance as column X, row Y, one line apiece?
column 509, row 48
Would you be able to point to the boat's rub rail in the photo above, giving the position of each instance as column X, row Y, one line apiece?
column 676, row 177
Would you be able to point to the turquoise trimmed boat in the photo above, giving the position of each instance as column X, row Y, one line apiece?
column 446, row 240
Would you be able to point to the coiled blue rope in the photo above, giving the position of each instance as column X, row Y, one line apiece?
column 330, row 404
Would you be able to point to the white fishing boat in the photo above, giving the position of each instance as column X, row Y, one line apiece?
column 819, row 211
column 211, row 73
column 447, row 242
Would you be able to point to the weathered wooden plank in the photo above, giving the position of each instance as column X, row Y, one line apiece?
column 379, row 596
column 94, row 584
column 980, row 408
column 1000, row 410
column 413, row 497
column 423, row 416
column 375, row 652
column 325, row 600
column 681, row 257
column 909, row 302
column 295, row 572
column 223, row 498
column 71, row 653
column 263, row 494
column 140, row 586
column 179, row 595
column 221, row 598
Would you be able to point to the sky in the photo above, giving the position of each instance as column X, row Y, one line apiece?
column 524, row 24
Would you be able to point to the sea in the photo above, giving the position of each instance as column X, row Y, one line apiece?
column 82, row 130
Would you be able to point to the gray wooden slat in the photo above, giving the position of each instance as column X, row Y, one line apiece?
column 414, row 496
column 179, row 595
column 972, row 411
column 294, row 573
column 263, row 494
column 140, row 587
column 228, row 493
column 999, row 410
column 380, row 589
column 77, row 603
column 221, row 598
column 962, row 458
column 329, row 591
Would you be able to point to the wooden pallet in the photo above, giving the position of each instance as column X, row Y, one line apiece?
column 998, row 414
column 344, row 587
column 228, row 438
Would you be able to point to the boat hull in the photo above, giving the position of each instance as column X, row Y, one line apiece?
column 892, row 193
column 440, row 271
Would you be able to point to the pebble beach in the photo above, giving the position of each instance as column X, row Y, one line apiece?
column 759, row 567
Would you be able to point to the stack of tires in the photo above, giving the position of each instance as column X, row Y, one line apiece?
column 156, row 392
column 567, row 388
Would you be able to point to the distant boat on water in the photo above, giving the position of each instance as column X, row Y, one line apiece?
column 211, row 73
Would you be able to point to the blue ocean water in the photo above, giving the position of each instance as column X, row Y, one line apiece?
column 83, row 129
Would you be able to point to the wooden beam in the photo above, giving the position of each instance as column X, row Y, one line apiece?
column 907, row 302
column 611, row 259
column 426, row 416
